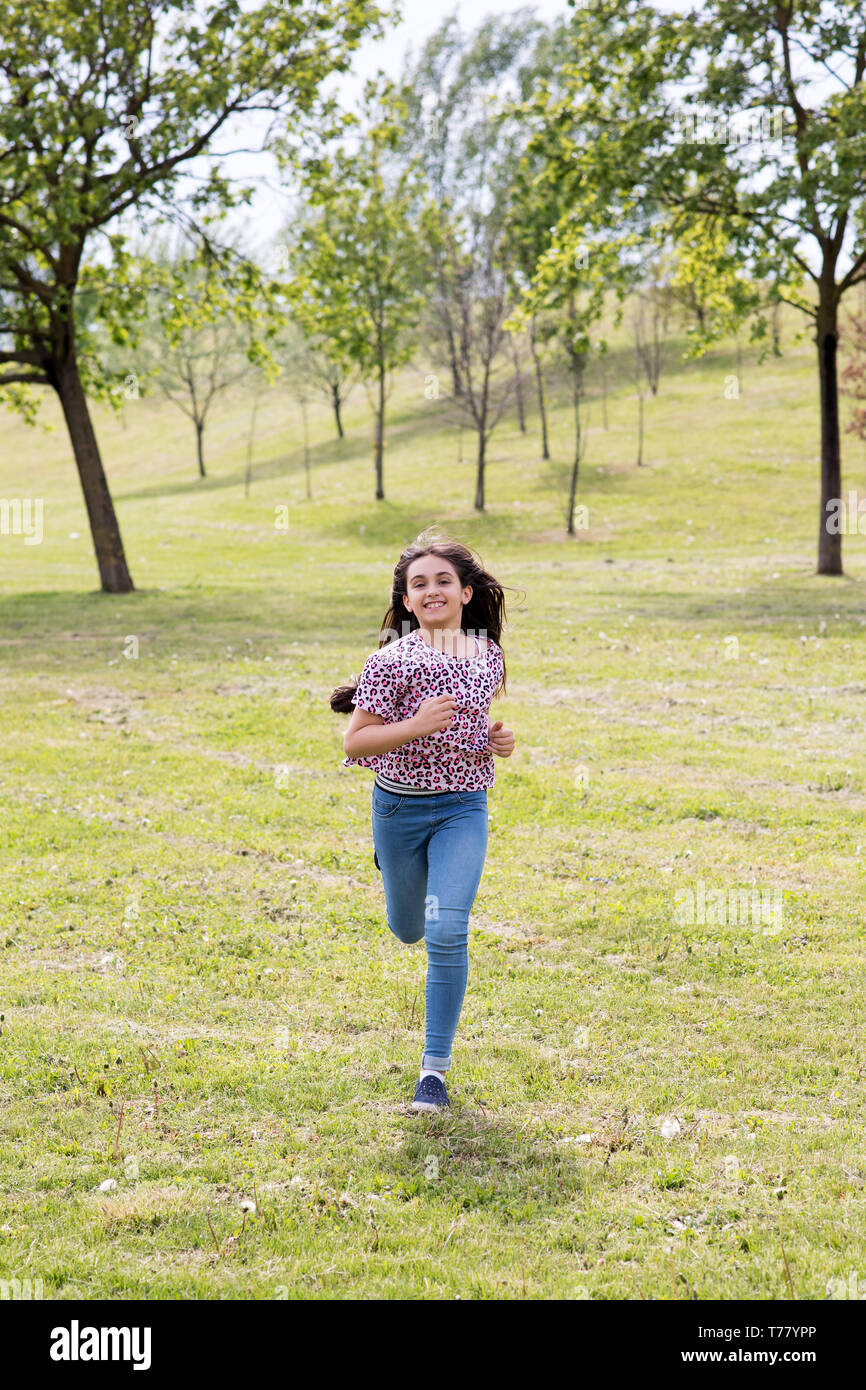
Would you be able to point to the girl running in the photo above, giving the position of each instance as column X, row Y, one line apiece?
column 420, row 719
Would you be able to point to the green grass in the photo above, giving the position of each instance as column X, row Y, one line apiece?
column 200, row 998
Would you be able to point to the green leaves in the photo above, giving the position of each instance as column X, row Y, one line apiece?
column 356, row 258
column 101, row 111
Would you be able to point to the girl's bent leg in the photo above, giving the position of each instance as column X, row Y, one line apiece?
column 400, row 841
column 455, row 858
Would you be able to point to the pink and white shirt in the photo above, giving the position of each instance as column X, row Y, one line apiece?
column 394, row 682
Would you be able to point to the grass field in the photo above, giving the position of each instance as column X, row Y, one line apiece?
column 200, row 999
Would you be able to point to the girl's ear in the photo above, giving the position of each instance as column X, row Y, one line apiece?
column 467, row 595
column 406, row 604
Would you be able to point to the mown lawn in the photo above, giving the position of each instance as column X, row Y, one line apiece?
column 200, row 1000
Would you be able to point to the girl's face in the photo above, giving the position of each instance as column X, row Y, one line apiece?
column 434, row 592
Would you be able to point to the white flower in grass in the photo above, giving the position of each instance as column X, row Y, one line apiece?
column 670, row 1128
column 248, row 1205
column 108, row 1186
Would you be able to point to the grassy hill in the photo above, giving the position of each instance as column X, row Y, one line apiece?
column 200, row 999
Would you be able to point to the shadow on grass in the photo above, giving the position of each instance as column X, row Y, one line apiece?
column 470, row 1158
column 199, row 620
column 286, row 465
column 352, row 448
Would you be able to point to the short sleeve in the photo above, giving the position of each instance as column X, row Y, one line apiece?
column 379, row 686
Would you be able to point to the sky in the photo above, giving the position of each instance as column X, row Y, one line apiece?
column 421, row 18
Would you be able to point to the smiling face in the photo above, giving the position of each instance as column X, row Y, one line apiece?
column 434, row 592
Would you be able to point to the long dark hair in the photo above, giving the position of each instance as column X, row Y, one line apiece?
column 483, row 614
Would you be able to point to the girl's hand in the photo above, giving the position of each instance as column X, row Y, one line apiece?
column 433, row 715
column 500, row 741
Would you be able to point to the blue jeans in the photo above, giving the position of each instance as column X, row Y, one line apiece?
column 431, row 852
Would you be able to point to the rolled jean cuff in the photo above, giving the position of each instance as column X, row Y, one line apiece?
column 431, row 1063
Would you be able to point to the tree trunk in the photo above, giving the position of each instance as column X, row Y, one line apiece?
column 479, row 477
column 638, row 380
column 518, row 387
column 604, row 391
column 827, row 338
column 452, row 356
column 656, row 356
column 640, row 430
column 306, row 447
column 539, row 379
column 335, row 389
column 107, row 543
column 249, row 470
column 199, row 442
column 380, row 435
column 576, row 393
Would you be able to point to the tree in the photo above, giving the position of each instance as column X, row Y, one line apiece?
column 303, row 377
column 561, row 268
column 528, row 225
column 475, row 287
column 356, row 268
column 560, row 296
column 201, row 338
column 576, row 350
column 649, row 322
column 768, row 154
column 327, row 377
column 450, row 92
column 102, row 109
column 304, row 350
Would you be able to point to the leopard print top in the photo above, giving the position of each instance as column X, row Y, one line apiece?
column 394, row 682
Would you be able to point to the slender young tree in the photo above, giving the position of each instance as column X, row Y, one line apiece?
column 199, row 342
column 450, row 91
column 357, row 268
column 304, row 351
column 476, row 288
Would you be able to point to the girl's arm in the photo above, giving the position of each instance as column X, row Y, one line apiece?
column 368, row 734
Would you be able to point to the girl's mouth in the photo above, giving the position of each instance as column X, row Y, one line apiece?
column 436, row 604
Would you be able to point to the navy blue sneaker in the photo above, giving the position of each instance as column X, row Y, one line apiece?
column 430, row 1094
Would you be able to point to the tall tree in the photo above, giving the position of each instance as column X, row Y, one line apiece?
column 455, row 127
column 769, row 148
column 303, row 351
column 475, row 287
column 103, row 107
column 356, row 268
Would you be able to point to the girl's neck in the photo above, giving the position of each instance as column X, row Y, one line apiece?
column 439, row 636
column 452, row 641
